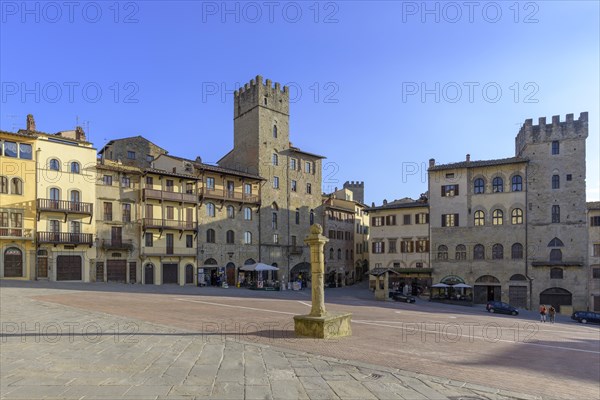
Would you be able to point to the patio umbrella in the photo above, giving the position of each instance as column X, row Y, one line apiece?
column 461, row 285
column 440, row 285
column 258, row 267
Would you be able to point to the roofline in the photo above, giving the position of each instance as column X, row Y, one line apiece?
column 297, row 150
column 397, row 206
column 476, row 164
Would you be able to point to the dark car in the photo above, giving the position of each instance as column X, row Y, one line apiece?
column 502, row 308
column 586, row 316
column 403, row 297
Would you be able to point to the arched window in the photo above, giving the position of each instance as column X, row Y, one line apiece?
column 312, row 217
column 461, row 252
column 210, row 236
column 497, row 252
column 479, row 186
column 210, row 209
column 339, row 254
column 517, row 183
column 297, row 216
column 556, row 255
column 230, row 237
column 516, row 251
column 274, row 220
column 331, row 254
column 478, row 252
column 556, row 242
column 497, row 217
column 479, row 218
column 274, row 131
column 275, row 159
column 54, row 164
column 16, row 186
column 75, row 167
column 230, row 212
column 247, row 237
column 3, row 185
column 497, row 185
column 556, row 273
column 517, row 216
column 54, row 197
column 247, row 213
column 442, row 252
column 555, row 182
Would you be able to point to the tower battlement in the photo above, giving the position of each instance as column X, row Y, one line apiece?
column 357, row 188
column 264, row 93
column 547, row 132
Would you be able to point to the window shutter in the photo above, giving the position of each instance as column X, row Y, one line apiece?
column 427, row 245
column 456, row 190
column 373, row 247
column 427, row 218
column 443, row 190
column 456, row 220
column 443, row 220
column 383, row 247
column 373, row 221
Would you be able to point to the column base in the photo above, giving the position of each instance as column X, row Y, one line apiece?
column 327, row 326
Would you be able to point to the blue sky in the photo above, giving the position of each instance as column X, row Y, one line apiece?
column 377, row 87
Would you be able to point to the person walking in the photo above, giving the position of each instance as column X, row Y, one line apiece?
column 552, row 314
column 542, row 313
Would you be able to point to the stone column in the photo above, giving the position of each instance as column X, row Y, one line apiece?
column 316, row 242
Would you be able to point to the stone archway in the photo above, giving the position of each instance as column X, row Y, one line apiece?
column 487, row 288
column 13, row 263
column 300, row 268
column 558, row 297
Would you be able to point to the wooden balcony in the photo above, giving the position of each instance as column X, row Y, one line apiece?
column 11, row 232
column 64, row 206
column 65, row 238
column 207, row 193
column 168, row 224
column 111, row 244
column 163, row 195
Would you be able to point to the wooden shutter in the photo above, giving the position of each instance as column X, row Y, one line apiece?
column 456, row 190
column 443, row 220
column 456, row 220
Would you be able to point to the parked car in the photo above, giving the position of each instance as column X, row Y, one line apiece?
column 502, row 308
column 586, row 316
column 403, row 297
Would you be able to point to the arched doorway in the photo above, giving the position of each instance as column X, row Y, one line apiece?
column 517, row 291
column 358, row 271
column 230, row 273
column 149, row 274
column 557, row 297
column 42, row 264
column 211, row 271
column 189, row 273
column 13, row 263
column 301, row 268
column 487, row 288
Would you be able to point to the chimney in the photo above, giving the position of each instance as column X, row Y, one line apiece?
column 79, row 134
column 431, row 162
column 373, row 204
column 384, row 202
column 468, row 158
column 30, row 123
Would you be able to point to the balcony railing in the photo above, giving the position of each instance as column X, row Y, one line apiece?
column 168, row 224
column 65, row 238
column 117, row 244
column 163, row 251
column 11, row 232
column 170, row 196
column 74, row 207
column 228, row 195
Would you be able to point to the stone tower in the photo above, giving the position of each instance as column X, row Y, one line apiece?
column 556, row 208
column 292, row 183
column 357, row 189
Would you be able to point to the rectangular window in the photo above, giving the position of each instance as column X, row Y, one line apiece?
column 107, row 211
column 294, row 185
column 378, row 247
column 169, row 239
column 275, row 238
column 210, row 183
column 149, row 181
column 131, row 155
column 392, row 245
column 422, row 245
column 449, row 190
column 25, row 151
column 407, row 246
column 189, row 241
column 407, row 219
column 126, row 212
column 595, row 221
column 275, row 182
column 596, row 273
column 449, row 220
column 555, row 147
column 569, row 177
column 596, row 250
column 125, row 182
column 149, row 211
column 189, row 188
column 308, row 188
column 10, row 149
column 422, row 218
column 170, row 210
column 293, row 164
column 107, row 180
column 169, row 185
column 308, row 167
column 555, row 214
column 390, row 220
column 149, row 239
column 247, row 188
column 555, row 182
column 378, row 221
column 149, row 157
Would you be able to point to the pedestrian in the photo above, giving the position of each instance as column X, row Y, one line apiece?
column 552, row 313
column 542, row 313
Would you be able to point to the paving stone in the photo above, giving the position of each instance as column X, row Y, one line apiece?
column 351, row 390
column 288, row 390
column 148, row 390
column 262, row 392
column 227, row 390
column 321, row 395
